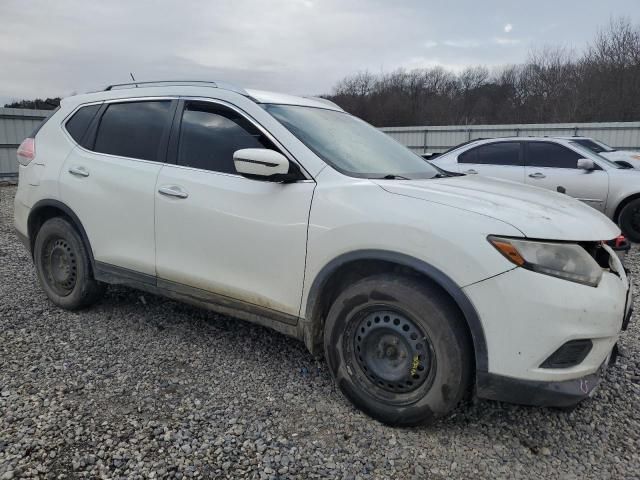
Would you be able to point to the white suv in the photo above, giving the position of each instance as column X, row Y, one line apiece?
column 417, row 285
column 564, row 165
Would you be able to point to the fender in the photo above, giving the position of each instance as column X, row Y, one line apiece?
column 68, row 212
column 437, row 276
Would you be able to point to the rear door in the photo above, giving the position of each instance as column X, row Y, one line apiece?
column 109, row 179
column 242, row 239
column 497, row 159
column 555, row 167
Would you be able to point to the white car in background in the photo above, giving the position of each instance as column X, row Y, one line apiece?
column 559, row 164
column 630, row 157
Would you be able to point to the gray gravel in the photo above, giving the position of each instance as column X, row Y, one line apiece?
column 143, row 387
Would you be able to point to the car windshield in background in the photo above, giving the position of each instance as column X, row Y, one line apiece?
column 593, row 146
column 351, row 145
column 602, row 159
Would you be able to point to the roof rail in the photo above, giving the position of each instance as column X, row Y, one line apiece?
column 162, row 83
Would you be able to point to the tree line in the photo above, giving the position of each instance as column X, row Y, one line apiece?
column 600, row 84
column 38, row 103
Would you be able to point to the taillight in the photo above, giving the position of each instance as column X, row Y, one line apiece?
column 27, row 151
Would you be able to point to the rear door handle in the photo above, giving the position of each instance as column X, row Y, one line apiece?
column 173, row 191
column 471, row 171
column 79, row 171
column 537, row 175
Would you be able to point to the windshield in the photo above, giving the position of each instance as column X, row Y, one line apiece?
column 351, row 145
column 578, row 146
column 596, row 147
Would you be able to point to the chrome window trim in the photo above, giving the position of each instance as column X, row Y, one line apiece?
column 115, row 100
column 246, row 115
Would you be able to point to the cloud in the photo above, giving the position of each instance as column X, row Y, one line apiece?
column 462, row 43
column 506, row 41
column 430, row 44
column 508, row 27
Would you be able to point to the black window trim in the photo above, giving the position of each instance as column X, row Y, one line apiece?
column 63, row 122
column 521, row 153
column 526, row 155
column 90, row 135
column 172, row 150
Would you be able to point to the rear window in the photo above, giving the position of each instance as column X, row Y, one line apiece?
column 79, row 123
column 500, row 153
column 134, row 129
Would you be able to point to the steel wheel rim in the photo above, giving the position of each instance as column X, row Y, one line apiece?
column 392, row 351
column 59, row 265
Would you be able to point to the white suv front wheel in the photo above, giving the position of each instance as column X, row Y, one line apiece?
column 398, row 349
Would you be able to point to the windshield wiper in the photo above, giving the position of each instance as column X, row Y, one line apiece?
column 391, row 176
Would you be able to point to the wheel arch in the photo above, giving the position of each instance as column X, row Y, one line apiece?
column 358, row 264
column 43, row 210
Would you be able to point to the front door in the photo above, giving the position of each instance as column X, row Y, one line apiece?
column 555, row 167
column 241, row 239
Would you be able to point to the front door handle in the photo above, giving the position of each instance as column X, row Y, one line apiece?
column 471, row 171
column 173, row 191
column 79, row 171
column 537, row 175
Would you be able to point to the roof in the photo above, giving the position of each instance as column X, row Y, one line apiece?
column 176, row 87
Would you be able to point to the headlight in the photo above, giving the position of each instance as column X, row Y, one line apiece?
column 563, row 260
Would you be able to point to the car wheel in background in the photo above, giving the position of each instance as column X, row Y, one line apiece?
column 629, row 220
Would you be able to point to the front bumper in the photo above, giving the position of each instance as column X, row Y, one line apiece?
column 527, row 316
column 565, row 393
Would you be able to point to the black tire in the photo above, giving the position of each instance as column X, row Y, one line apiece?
column 419, row 367
column 64, row 267
column 629, row 220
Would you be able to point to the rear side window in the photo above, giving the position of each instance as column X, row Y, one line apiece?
column 133, row 130
column 501, row 153
column 79, row 123
column 210, row 134
column 546, row 154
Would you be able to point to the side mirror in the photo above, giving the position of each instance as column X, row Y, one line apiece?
column 261, row 163
column 586, row 164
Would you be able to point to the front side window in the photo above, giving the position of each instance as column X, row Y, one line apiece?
column 500, row 153
column 210, row 134
column 134, row 129
column 351, row 145
column 547, row 154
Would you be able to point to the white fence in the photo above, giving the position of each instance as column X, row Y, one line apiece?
column 16, row 124
column 424, row 140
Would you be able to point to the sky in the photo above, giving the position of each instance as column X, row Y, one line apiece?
column 61, row 47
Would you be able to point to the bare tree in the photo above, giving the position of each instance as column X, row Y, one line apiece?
column 555, row 84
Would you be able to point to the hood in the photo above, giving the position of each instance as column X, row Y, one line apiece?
column 630, row 156
column 536, row 212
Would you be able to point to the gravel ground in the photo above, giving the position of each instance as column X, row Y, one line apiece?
column 143, row 387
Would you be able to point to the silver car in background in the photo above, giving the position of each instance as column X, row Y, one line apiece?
column 623, row 157
column 559, row 164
